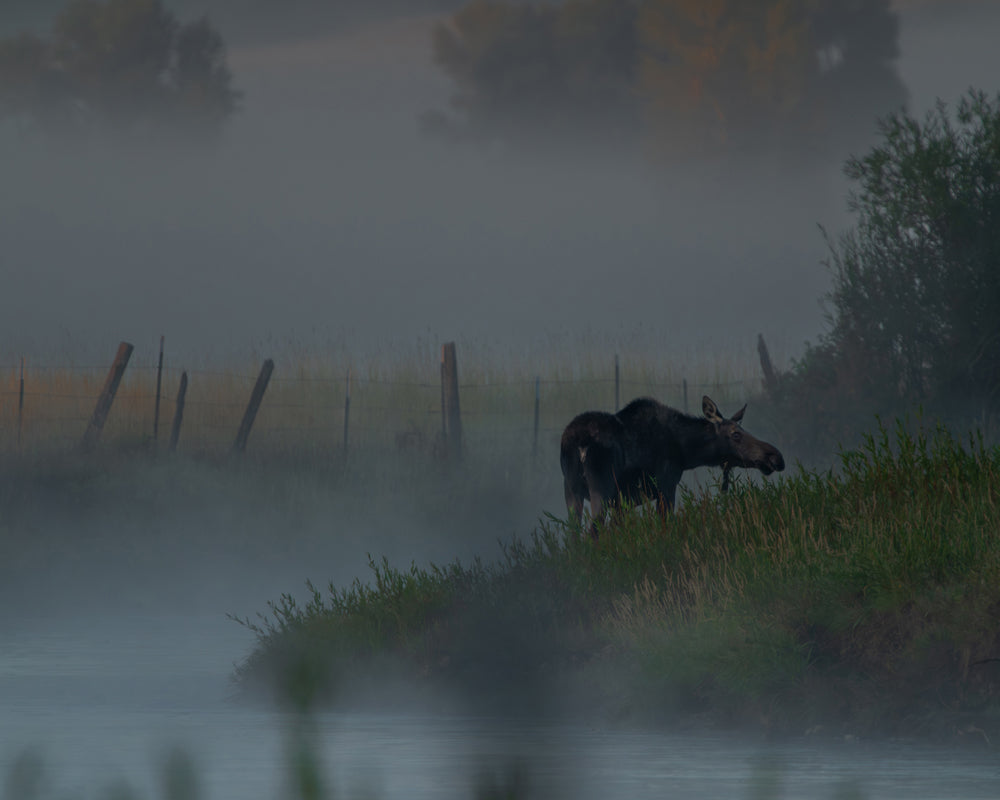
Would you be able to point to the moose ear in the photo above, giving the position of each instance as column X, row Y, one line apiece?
column 739, row 414
column 710, row 409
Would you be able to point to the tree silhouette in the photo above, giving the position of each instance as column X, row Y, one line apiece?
column 125, row 66
column 690, row 76
column 726, row 74
column 779, row 75
column 916, row 283
column 539, row 72
column 915, row 303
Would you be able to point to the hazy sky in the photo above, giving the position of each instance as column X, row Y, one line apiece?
column 326, row 218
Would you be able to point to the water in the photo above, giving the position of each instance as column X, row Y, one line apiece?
column 107, row 700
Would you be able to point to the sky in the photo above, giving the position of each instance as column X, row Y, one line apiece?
column 326, row 222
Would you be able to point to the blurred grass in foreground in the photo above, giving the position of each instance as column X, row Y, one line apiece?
column 29, row 777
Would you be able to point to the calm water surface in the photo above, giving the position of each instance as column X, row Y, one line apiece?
column 106, row 702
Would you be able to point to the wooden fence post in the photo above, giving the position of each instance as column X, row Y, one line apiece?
column 256, row 396
column 449, row 400
column 159, row 384
column 770, row 376
column 107, row 397
column 685, row 385
column 347, row 407
column 175, row 430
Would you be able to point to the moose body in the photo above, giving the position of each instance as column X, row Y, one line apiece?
column 641, row 452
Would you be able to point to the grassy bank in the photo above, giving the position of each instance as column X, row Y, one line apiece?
column 859, row 601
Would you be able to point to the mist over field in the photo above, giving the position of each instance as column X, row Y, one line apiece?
column 325, row 218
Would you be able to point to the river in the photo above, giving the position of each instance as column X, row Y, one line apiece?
column 102, row 705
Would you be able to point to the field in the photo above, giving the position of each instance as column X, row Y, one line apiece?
column 394, row 401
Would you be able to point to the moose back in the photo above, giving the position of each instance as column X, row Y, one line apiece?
column 641, row 452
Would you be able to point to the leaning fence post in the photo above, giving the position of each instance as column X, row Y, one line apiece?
column 107, row 397
column 256, row 396
column 449, row 400
column 175, row 430
column 159, row 384
column 770, row 376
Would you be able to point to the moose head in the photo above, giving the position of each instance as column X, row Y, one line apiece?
column 736, row 447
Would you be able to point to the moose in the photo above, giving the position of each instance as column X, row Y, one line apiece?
column 640, row 453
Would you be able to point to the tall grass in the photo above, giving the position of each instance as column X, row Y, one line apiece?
column 861, row 598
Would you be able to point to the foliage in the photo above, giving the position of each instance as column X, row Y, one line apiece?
column 688, row 76
column 915, row 305
column 766, row 76
column 835, row 598
column 523, row 70
column 125, row 66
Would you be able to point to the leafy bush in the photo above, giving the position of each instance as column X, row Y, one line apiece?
column 915, row 304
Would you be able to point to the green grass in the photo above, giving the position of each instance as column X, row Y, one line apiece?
column 859, row 600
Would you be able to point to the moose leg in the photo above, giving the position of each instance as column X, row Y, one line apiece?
column 572, row 457
column 668, row 491
column 600, row 476
column 574, row 501
column 597, row 503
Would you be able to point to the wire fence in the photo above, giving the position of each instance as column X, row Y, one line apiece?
column 326, row 408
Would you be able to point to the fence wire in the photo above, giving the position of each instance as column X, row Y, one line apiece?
column 46, row 406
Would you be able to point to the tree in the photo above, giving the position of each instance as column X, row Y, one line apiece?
column 917, row 282
column 717, row 74
column 711, row 77
column 773, row 75
column 915, row 302
column 857, row 46
column 125, row 66
column 539, row 72
column 202, row 83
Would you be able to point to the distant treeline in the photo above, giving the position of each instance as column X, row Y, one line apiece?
column 681, row 76
column 121, row 67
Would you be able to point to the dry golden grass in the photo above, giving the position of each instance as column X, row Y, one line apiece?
column 395, row 402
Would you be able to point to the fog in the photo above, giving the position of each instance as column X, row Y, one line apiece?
column 326, row 222
column 326, row 217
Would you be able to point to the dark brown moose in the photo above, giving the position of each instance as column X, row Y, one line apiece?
column 641, row 452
